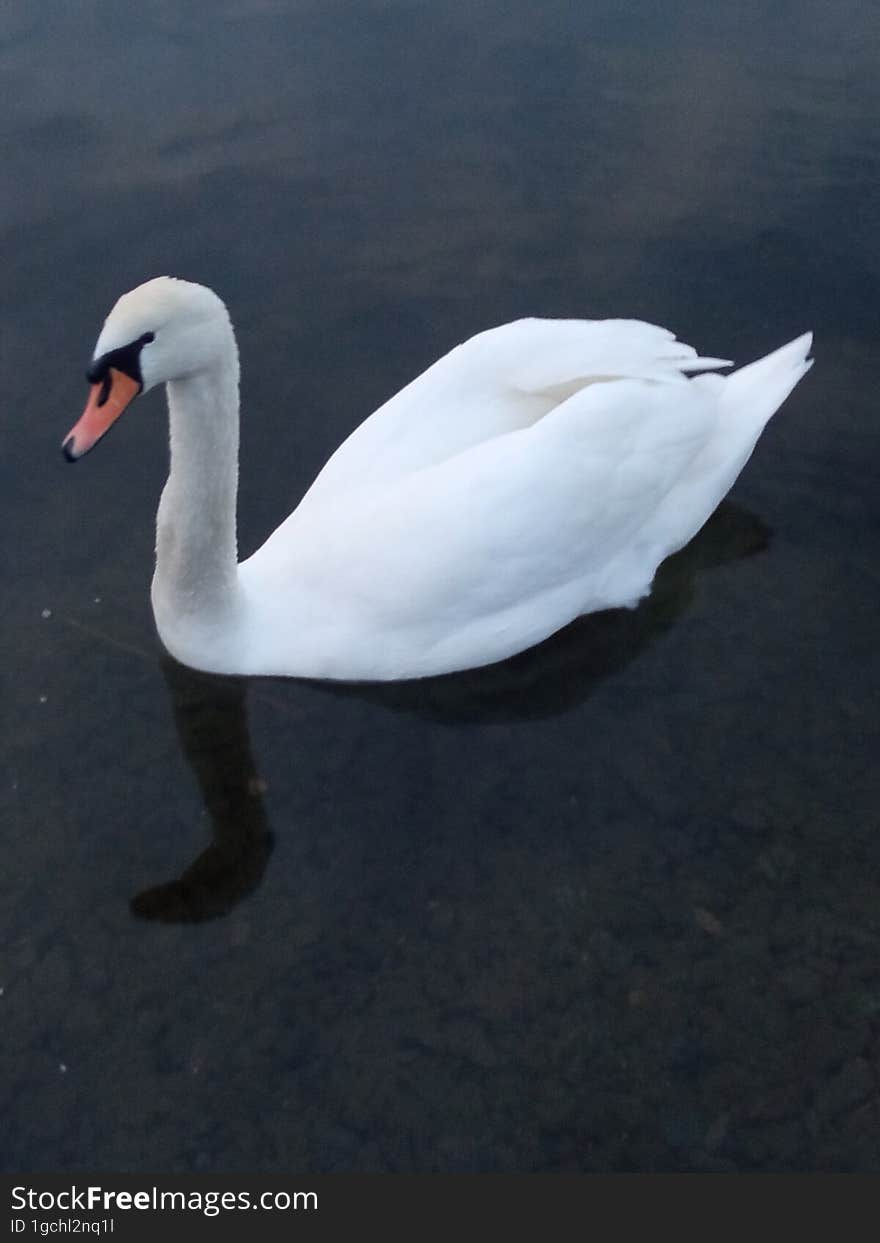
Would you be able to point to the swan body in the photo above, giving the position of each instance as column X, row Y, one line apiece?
column 539, row 471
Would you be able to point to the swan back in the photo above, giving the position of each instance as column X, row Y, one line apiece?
column 500, row 381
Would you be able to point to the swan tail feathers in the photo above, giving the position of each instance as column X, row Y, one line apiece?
column 762, row 386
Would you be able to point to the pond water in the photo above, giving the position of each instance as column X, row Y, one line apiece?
column 614, row 905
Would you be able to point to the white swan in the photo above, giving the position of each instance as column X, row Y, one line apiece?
column 539, row 471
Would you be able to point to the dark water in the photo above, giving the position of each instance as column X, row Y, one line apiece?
column 615, row 905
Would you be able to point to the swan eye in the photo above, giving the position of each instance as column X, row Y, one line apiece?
column 125, row 359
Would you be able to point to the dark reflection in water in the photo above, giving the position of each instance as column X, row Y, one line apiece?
column 211, row 716
column 211, row 719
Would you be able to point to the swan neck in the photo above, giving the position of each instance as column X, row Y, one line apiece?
column 196, row 544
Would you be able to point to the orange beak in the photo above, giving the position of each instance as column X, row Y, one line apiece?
column 107, row 400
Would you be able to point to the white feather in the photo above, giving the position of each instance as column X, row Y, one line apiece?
column 539, row 471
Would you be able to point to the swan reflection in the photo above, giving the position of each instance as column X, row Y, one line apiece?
column 211, row 718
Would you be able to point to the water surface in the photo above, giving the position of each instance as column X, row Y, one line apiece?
column 613, row 906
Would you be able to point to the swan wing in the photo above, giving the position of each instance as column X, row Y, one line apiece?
column 469, row 559
column 475, row 557
column 500, row 381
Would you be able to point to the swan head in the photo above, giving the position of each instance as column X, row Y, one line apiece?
column 166, row 329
